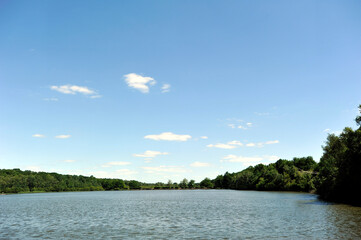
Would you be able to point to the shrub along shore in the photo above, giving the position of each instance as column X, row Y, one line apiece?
column 335, row 178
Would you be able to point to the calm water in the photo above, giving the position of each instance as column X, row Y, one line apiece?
column 193, row 214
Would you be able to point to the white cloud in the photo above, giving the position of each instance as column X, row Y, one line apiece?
column 272, row 142
column 228, row 145
column 204, row 137
column 200, row 164
column 110, row 164
column 327, row 130
column 165, row 88
column 139, row 82
column 63, row 136
column 167, row 169
column 250, row 144
column 150, row 154
column 169, row 136
column 232, row 125
column 238, row 143
column 221, row 145
column 73, row 89
column 241, row 127
column 37, row 135
column 249, row 124
column 69, row 161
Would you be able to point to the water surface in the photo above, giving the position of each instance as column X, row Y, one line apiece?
column 172, row 214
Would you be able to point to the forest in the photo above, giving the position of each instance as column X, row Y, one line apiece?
column 335, row 178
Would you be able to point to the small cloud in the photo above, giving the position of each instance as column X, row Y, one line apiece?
column 111, row 164
column 69, row 161
column 200, row 164
column 51, row 99
column 221, row 145
column 232, row 125
column 249, row 124
column 139, row 82
column 327, row 130
column 204, row 137
column 63, row 136
column 150, row 154
column 73, row 89
column 241, row 127
column 37, row 135
column 238, row 143
column 165, row 88
column 250, row 144
column 169, row 136
column 272, row 142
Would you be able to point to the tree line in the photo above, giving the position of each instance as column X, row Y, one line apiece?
column 336, row 177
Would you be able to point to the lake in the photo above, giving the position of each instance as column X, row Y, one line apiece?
column 173, row 214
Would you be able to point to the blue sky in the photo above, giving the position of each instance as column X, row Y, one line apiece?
column 158, row 90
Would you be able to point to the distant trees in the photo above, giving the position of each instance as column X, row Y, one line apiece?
column 206, row 183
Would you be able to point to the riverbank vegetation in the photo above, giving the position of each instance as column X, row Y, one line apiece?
column 336, row 177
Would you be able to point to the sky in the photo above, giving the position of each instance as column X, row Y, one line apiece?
column 166, row 90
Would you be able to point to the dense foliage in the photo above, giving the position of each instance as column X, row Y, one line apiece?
column 15, row 180
column 283, row 175
column 340, row 166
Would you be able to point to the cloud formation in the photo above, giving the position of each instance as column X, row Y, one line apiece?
column 221, row 145
column 165, row 88
column 150, row 154
column 169, row 136
column 200, row 164
column 111, row 164
column 63, row 136
column 73, row 89
column 37, row 135
column 204, row 137
column 139, row 82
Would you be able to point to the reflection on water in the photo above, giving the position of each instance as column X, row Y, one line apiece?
column 171, row 214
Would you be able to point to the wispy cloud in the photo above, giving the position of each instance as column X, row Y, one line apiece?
column 37, row 135
column 74, row 89
column 221, row 145
column 327, row 130
column 165, row 88
column 139, row 82
column 204, row 137
column 150, row 154
column 200, row 164
column 111, row 164
column 261, row 144
column 228, row 145
column 169, row 136
column 63, row 136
